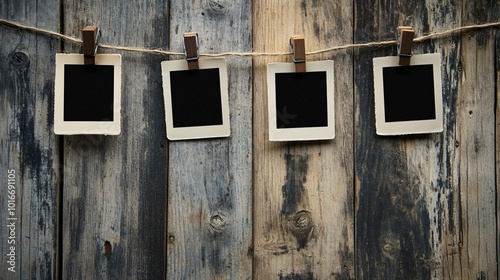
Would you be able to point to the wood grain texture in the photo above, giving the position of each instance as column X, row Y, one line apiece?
column 28, row 145
column 114, row 203
column 497, row 148
column 476, row 135
column 412, row 190
column 359, row 206
column 210, row 181
column 303, row 191
column 396, row 177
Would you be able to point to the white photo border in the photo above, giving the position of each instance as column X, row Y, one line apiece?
column 302, row 133
column 407, row 127
column 196, row 132
column 62, row 127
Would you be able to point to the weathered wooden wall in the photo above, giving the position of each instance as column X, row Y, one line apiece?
column 426, row 204
column 210, row 182
column 114, row 188
column 303, row 191
column 136, row 206
column 28, row 145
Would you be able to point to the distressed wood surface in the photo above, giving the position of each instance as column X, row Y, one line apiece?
column 210, row 181
column 400, row 179
column 425, row 203
column 476, row 136
column 114, row 197
column 28, row 145
column 359, row 206
column 497, row 148
column 303, row 191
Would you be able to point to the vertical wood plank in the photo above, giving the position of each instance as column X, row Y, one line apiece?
column 497, row 148
column 422, row 199
column 115, row 186
column 303, row 191
column 29, row 148
column 210, row 181
column 476, row 135
column 406, row 200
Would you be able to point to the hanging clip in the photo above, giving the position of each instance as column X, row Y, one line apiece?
column 298, row 49
column 90, row 36
column 191, row 43
column 405, row 40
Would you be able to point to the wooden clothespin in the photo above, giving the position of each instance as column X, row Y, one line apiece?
column 298, row 49
column 405, row 41
column 90, row 36
column 191, row 49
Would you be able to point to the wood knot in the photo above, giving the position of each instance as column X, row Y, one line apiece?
column 301, row 226
column 276, row 248
column 391, row 249
column 218, row 222
column 19, row 60
column 302, row 221
column 388, row 248
column 218, row 6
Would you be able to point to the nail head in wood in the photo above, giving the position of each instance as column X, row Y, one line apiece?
column 405, row 42
column 90, row 36
column 297, row 46
column 191, row 49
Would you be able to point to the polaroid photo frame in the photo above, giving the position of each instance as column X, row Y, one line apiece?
column 301, row 105
column 408, row 99
column 196, row 101
column 87, row 97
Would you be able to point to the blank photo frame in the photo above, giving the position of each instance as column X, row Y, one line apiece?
column 196, row 101
column 87, row 97
column 408, row 99
column 301, row 105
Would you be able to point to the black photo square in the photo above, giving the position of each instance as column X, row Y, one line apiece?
column 196, row 97
column 87, row 98
column 409, row 93
column 196, row 100
column 301, row 104
column 88, row 93
column 301, row 100
column 408, row 99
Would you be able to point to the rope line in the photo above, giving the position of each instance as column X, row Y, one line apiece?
column 251, row 54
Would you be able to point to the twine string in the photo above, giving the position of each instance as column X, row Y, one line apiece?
column 250, row 54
